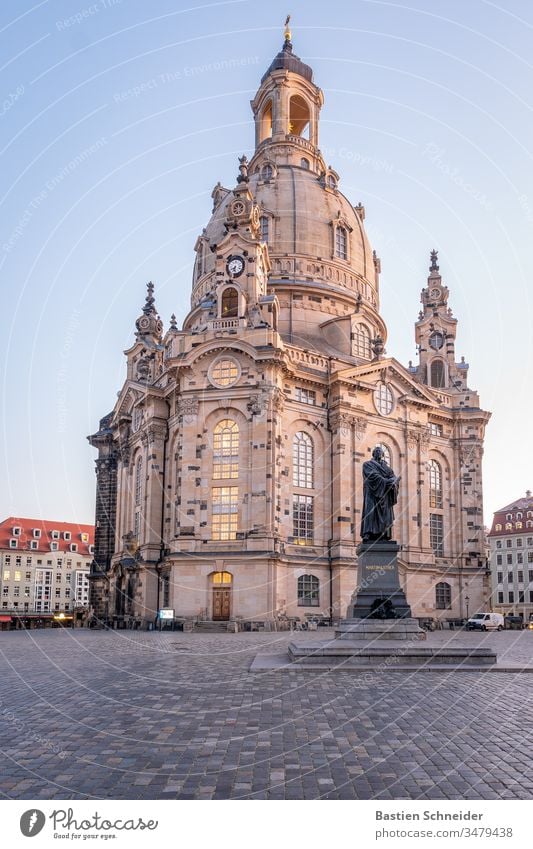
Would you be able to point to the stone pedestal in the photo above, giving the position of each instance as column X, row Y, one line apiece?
column 378, row 580
column 379, row 629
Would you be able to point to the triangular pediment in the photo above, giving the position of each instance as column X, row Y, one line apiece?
column 391, row 371
column 126, row 400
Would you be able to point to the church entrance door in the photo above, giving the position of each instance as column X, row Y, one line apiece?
column 222, row 582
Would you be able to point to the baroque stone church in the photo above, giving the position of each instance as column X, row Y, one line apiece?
column 229, row 470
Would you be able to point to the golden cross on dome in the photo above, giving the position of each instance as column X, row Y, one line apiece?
column 288, row 34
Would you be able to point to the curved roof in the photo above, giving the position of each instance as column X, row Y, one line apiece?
column 302, row 213
column 288, row 61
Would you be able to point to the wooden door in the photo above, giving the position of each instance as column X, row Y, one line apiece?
column 221, row 605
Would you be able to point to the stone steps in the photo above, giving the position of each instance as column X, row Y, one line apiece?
column 394, row 655
column 211, row 627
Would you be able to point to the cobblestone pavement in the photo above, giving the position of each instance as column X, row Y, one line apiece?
column 178, row 716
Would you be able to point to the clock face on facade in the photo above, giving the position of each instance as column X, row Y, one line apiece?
column 435, row 293
column 235, row 265
column 436, row 340
column 238, row 207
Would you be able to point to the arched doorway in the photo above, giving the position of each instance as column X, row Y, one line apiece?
column 221, row 592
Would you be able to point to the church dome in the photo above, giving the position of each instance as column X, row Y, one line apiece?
column 317, row 245
column 301, row 217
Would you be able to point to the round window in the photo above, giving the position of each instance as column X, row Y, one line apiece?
column 224, row 372
column 436, row 340
column 383, row 399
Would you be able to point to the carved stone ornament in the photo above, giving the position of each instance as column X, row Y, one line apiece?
column 278, row 399
column 412, row 439
column 156, row 432
column 359, row 424
column 341, row 422
column 143, row 369
column 188, row 407
column 424, row 438
column 255, row 405
column 469, row 454
column 124, row 452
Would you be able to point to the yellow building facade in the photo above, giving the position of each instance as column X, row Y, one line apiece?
column 229, row 471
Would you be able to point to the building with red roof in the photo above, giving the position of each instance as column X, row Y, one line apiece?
column 44, row 571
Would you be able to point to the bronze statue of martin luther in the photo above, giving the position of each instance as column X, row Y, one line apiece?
column 380, row 494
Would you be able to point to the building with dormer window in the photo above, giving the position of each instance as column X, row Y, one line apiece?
column 42, row 581
column 229, row 470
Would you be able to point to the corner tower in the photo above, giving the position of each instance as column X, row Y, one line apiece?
column 435, row 333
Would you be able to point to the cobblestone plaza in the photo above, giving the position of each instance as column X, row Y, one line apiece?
column 136, row 715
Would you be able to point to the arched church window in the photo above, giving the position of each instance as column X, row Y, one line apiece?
column 331, row 181
column 200, row 260
column 435, row 484
column 362, row 342
column 302, row 460
column 263, row 225
column 226, row 450
column 443, row 596
column 138, row 480
column 383, row 399
column 437, row 374
column 266, row 122
column 386, row 453
column 304, row 163
column 341, row 242
column 267, row 172
column 299, row 117
column 308, row 591
column 230, row 303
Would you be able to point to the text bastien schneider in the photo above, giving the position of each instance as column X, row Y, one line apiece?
column 428, row 815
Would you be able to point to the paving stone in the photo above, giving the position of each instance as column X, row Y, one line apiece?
column 179, row 716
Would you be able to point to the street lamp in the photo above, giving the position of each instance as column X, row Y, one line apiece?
column 467, row 599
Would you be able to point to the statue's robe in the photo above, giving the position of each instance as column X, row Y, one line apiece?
column 380, row 494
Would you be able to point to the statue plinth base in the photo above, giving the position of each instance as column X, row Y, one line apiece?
column 379, row 629
column 378, row 581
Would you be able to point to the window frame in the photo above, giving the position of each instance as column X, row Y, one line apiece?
column 308, row 591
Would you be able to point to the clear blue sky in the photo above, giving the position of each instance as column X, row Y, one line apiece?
column 116, row 120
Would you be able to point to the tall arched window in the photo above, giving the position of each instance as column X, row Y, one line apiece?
column 263, row 224
column 341, row 242
column 443, row 596
column 138, row 497
column 302, row 460
column 303, row 521
column 230, row 303
column 200, row 260
column 361, row 347
column 266, row 121
column 299, row 117
column 138, row 480
column 435, row 484
column 267, row 172
column 437, row 374
column 308, row 591
column 226, row 450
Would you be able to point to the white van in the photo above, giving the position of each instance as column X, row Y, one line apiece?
column 485, row 622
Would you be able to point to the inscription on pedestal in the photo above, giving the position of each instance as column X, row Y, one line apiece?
column 378, row 581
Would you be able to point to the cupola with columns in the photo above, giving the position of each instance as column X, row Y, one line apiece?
column 321, row 266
